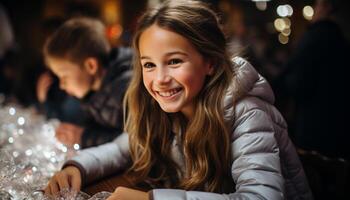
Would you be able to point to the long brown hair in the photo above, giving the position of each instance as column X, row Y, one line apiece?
column 205, row 139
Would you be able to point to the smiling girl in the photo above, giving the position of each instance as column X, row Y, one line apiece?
column 200, row 125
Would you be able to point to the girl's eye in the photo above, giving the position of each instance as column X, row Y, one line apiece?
column 175, row 61
column 148, row 65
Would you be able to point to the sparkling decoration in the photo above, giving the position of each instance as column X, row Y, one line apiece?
column 30, row 155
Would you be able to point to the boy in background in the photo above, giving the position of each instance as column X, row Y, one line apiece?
column 79, row 54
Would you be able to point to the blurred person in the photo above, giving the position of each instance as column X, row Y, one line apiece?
column 79, row 54
column 51, row 100
column 316, row 77
column 316, row 80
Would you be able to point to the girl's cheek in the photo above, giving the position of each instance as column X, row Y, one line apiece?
column 147, row 86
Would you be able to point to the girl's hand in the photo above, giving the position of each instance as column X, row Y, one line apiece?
column 123, row 193
column 69, row 177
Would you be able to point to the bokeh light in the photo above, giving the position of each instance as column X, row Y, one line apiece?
column 308, row 12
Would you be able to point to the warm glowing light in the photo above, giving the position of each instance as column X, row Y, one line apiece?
column 279, row 24
column 261, row 5
column 283, row 39
column 114, row 31
column 111, row 12
column 286, row 32
column 287, row 22
column 308, row 12
column 284, row 10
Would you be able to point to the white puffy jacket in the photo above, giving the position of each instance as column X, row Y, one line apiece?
column 265, row 163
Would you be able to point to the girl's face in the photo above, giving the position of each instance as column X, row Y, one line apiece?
column 173, row 70
column 75, row 80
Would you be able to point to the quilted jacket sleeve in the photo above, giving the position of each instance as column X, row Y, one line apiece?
column 256, row 164
column 98, row 162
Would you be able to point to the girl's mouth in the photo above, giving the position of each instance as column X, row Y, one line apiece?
column 169, row 93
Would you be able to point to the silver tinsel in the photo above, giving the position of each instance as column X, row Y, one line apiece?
column 30, row 155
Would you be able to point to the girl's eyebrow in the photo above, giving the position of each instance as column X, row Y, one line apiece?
column 145, row 57
column 167, row 54
column 176, row 52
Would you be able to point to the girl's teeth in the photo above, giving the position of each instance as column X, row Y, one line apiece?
column 168, row 93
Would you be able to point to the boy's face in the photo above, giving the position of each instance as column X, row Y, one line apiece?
column 74, row 79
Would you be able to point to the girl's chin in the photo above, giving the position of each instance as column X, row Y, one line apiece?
column 169, row 109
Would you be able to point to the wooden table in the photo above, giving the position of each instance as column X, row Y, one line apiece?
column 109, row 184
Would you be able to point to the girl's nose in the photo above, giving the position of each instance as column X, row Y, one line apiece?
column 162, row 76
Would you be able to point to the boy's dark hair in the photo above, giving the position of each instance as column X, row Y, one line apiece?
column 78, row 39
